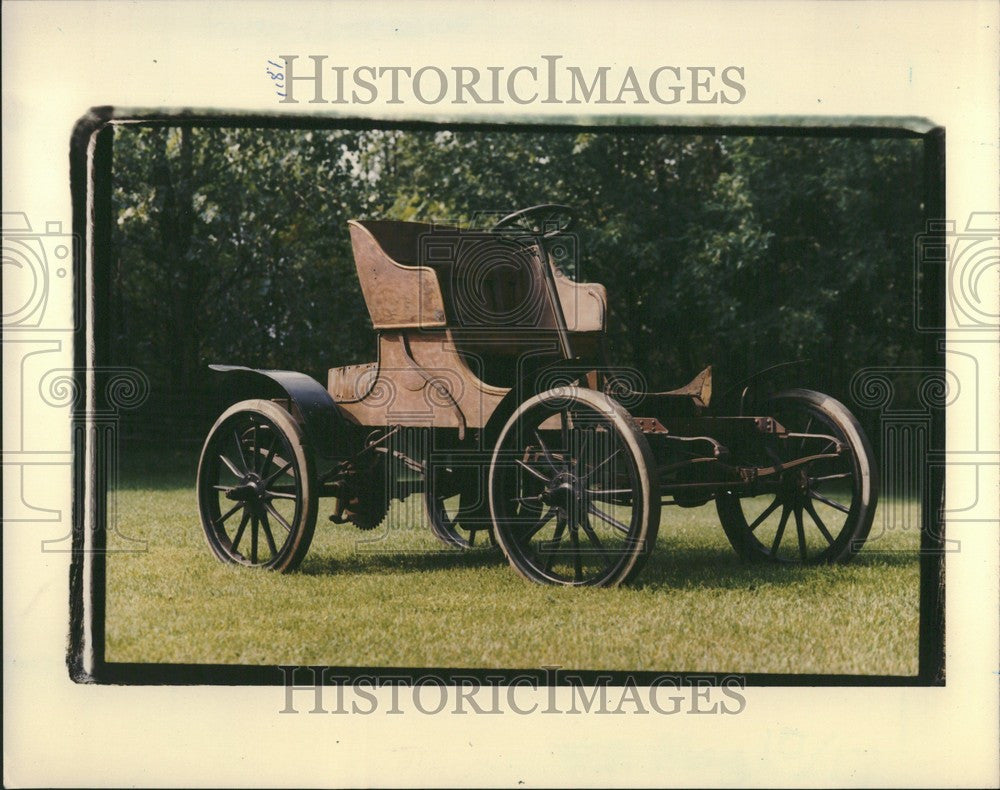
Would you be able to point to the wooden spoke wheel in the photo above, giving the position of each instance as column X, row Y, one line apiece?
column 572, row 490
column 257, row 492
column 817, row 513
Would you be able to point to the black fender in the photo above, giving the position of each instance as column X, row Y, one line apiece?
column 746, row 392
column 325, row 428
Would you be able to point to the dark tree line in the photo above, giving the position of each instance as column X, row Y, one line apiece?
column 232, row 245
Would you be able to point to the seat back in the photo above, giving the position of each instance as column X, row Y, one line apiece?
column 399, row 293
column 418, row 275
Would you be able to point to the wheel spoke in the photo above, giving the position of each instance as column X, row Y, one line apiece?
column 574, row 539
column 552, row 545
column 266, row 526
column 596, row 492
column 830, row 502
column 822, row 478
column 257, row 448
column 802, row 444
column 611, row 499
column 583, row 448
column 277, row 474
column 593, row 471
column 592, row 508
column 281, row 495
column 278, row 517
column 283, row 488
column 800, row 530
column 624, row 497
column 832, row 445
column 224, row 489
column 239, row 449
column 253, row 539
column 532, row 471
column 592, row 537
column 270, row 452
column 781, row 530
column 222, row 519
column 239, row 532
column 545, row 451
column 767, row 512
column 521, row 500
column 811, row 510
column 232, row 466
column 546, row 518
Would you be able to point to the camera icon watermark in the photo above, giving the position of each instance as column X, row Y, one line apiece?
column 968, row 262
column 37, row 272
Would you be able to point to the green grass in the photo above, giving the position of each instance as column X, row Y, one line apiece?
column 403, row 600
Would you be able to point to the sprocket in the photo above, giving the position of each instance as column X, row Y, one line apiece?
column 365, row 502
column 369, row 518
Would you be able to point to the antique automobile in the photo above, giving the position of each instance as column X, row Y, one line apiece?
column 492, row 399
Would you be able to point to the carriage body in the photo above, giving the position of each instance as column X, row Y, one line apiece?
column 492, row 398
column 458, row 313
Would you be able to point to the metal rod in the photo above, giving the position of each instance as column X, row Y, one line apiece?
column 562, row 330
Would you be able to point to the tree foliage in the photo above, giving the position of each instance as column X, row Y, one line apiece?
column 232, row 245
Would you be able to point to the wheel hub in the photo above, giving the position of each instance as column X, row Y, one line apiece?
column 794, row 488
column 250, row 490
column 562, row 491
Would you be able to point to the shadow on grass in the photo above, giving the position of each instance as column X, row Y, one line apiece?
column 710, row 568
column 667, row 568
column 415, row 561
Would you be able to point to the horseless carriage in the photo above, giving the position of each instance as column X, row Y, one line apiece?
column 492, row 399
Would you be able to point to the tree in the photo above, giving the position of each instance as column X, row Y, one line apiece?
column 232, row 245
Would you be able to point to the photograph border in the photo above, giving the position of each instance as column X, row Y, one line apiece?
column 91, row 162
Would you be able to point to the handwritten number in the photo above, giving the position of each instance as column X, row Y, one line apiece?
column 277, row 78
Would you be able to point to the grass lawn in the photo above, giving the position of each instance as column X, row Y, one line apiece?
column 403, row 600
